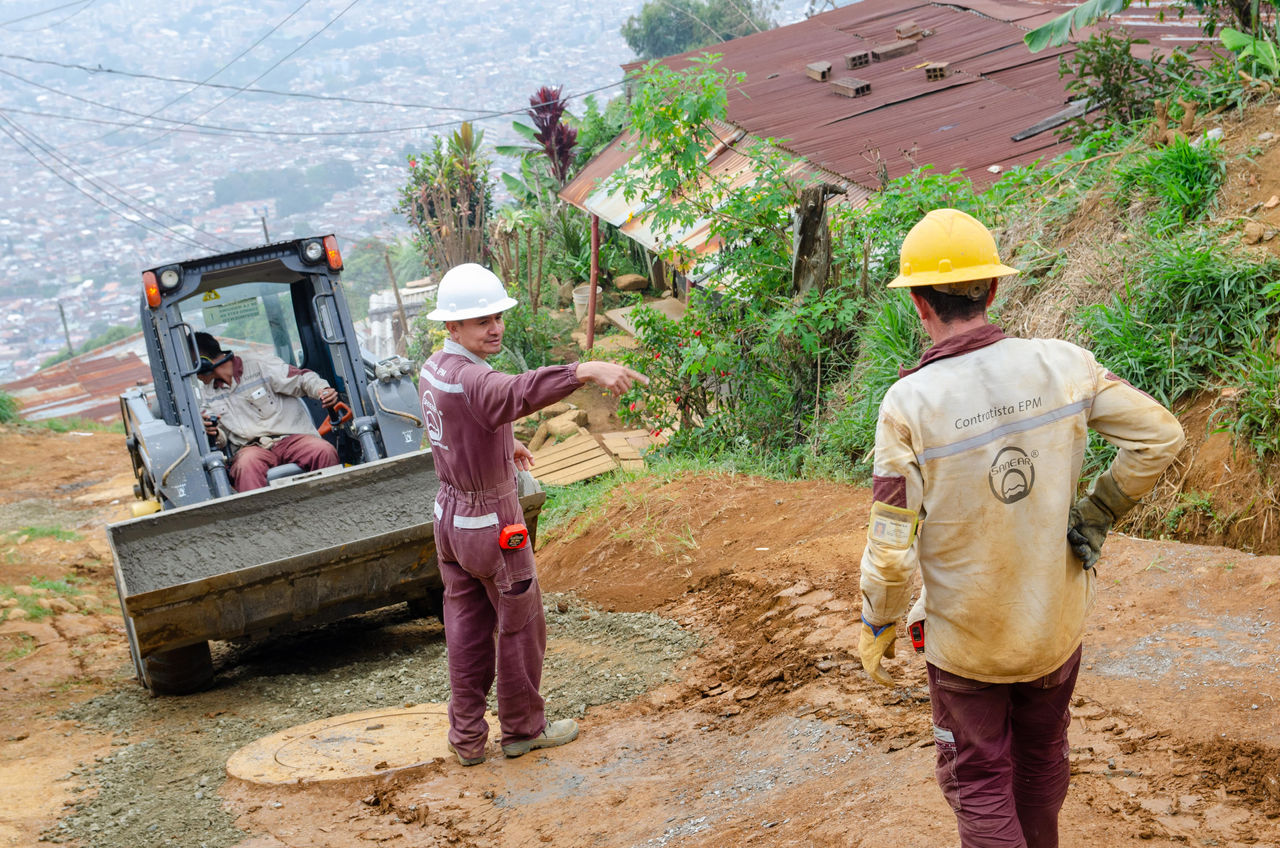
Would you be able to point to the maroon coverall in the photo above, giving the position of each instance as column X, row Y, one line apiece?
column 468, row 408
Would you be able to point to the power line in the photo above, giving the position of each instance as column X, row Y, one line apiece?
column 165, row 230
column 61, row 21
column 234, row 59
column 277, row 64
column 279, row 132
column 44, row 12
column 248, row 90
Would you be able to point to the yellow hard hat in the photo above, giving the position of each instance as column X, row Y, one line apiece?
column 948, row 246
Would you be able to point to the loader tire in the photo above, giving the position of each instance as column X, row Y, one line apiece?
column 180, row 671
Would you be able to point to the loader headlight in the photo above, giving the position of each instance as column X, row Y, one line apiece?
column 313, row 251
column 169, row 279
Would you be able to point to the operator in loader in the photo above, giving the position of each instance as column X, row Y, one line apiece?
column 493, row 619
column 978, row 452
column 253, row 402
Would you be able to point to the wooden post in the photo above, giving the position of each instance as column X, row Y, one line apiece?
column 71, row 351
column 595, row 279
column 395, row 288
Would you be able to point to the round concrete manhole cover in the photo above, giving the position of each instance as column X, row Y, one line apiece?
column 347, row 747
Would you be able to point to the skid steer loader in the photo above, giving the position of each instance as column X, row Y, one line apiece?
column 200, row 562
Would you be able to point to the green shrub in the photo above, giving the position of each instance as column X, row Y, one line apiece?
column 9, row 407
column 1193, row 306
column 1182, row 179
column 893, row 337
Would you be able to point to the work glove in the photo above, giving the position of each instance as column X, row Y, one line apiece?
column 1093, row 515
column 874, row 644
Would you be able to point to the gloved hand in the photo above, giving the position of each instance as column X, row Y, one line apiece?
column 874, row 644
column 1092, row 516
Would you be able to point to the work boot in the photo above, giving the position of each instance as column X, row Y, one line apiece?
column 466, row 761
column 556, row 733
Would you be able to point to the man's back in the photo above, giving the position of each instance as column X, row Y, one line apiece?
column 990, row 443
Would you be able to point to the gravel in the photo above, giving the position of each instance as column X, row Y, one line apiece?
column 159, row 785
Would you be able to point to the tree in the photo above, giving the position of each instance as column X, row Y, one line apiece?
column 446, row 200
column 666, row 27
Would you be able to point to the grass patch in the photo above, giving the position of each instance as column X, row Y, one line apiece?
column 15, row 646
column 8, row 408
column 79, row 425
column 40, row 532
column 68, row 587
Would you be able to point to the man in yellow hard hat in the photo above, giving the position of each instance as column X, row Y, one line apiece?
column 978, row 454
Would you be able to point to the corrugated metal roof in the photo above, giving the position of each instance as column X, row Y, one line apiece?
column 87, row 386
column 995, row 90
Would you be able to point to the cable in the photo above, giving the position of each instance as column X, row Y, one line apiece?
column 248, row 90
column 276, row 132
column 165, row 231
column 45, row 12
column 277, row 64
column 61, row 21
column 234, row 59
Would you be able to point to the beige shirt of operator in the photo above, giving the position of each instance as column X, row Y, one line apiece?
column 986, row 447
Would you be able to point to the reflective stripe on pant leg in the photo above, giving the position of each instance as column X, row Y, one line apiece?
column 469, row 620
column 522, row 644
column 971, row 727
column 1041, row 764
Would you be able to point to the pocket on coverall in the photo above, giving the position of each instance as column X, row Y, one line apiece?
column 515, row 610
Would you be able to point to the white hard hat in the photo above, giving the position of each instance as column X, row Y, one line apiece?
column 469, row 291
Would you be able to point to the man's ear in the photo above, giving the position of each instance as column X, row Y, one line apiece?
column 451, row 327
column 923, row 309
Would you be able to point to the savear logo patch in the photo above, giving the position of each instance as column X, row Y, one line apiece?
column 1012, row 474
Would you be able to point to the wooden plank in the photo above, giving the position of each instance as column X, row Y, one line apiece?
column 573, row 444
column 570, row 462
column 578, row 472
column 672, row 307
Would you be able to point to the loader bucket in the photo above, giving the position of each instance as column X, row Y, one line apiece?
column 282, row 558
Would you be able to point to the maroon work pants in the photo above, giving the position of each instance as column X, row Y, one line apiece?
column 248, row 469
column 1002, row 755
column 494, row 626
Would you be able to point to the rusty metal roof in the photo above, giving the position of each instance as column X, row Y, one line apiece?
column 995, row 90
column 87, row 386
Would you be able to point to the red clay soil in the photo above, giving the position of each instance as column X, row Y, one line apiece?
column 770, row 733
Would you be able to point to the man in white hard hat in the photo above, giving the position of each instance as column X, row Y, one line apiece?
column 490, row 584
column 978, row 454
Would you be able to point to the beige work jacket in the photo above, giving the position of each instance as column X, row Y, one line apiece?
column 264, row 400
column 985, row 445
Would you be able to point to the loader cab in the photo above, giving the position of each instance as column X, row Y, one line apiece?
column 284, row 299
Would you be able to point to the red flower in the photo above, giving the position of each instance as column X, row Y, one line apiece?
column 633, row 406
column 413, row 163
column 697, row 332
column 657, row 356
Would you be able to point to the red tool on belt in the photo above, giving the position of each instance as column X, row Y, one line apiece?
column 513, row 537
column 917, row 636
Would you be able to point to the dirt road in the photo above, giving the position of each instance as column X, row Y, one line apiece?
column 703, row 630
